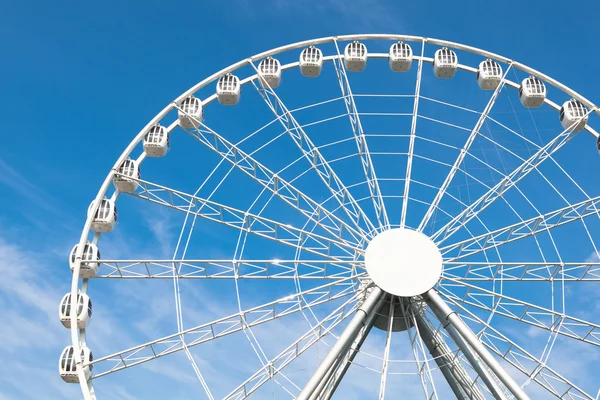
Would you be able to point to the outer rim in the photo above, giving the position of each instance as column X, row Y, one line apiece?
column 78, row 335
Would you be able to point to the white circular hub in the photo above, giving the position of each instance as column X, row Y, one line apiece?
column 403, row 262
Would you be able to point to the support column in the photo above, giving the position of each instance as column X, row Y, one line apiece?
column 462, row 332
column 458, row 379
column 351, row 355
column 368, row 308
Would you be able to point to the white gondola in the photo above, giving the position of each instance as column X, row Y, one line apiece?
column 269, row 70
column 89, row 260
column 311, row 62
column 532, row 92
column 489, row 75
column 128, row 171
column 355, row 56
column 229, row 90
column 573, row 115
column 106, row 216
column 191, row 113
column 400, row 57
column 156, row 141
column 67, row 364
column 445, row 63
column 84, row 310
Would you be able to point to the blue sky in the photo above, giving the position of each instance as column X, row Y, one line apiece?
column 81, row 79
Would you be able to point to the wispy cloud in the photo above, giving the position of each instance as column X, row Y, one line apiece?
column 17, row 182
column 356, row 15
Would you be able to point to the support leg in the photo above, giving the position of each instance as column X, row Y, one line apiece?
column 368, row 308
column 458, row 379
column 461, row 334
column 352, row 352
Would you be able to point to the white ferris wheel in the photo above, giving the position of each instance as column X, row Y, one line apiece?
column 422, row 212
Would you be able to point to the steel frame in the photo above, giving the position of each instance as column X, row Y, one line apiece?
column 323, row 246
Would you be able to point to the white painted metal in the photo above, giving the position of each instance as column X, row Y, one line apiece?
column 464, row 151
column 105, row 217
column 269, row 71
column 580, row 271
column 506, row 183
column 361, row 143
column 83, row 310
column 311, row 62
column 445, row 63
column 355, row 56
column 275, row 365
column 457, row 378
column 68, row 367
column 229, row 90
column 403, row 262
column 573, row 115
column 411, row 145
column 123, row 180
column 191, row 113
column 532, row 92
column 225, row 326
column 88, row 267
column 441, row 308
column 156, row 141
column 523, row 361
column 489, row 75
column 344, row 341
column 401, row 57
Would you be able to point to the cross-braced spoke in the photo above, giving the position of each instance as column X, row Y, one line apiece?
column 522, row 360
column 274, row 183
column 411, row 144
column 520, row 230
column 288, row 305
column 463, row 153
column 520, row 310
column 312, row 154
column 229, row 269
column 229, row 216
column 506, row 183
column 292, row 352
column 514, row 271
column 361, row 141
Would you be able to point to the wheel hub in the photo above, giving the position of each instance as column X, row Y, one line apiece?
column 403, row 262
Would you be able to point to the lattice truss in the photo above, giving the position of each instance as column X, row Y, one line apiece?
column 252, row 230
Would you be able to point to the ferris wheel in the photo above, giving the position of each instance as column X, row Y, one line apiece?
column 378, row 215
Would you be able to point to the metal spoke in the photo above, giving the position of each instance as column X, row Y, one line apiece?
column 228, row 269
column 514, row 271
column 463, row 152
column 293, row 351
column 313, row 156
column 411, row 145
column 361, row 141
column 386, row 351
column 449, row 364
column 338, row 350
column 520, row 230
column 501, row 187
column 529, row 365
column 291, row 304
column 274, row 183
column 229, row 216
column 423, row 369
column 520, row 310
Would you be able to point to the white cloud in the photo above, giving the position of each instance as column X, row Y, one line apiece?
column 357, row 15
